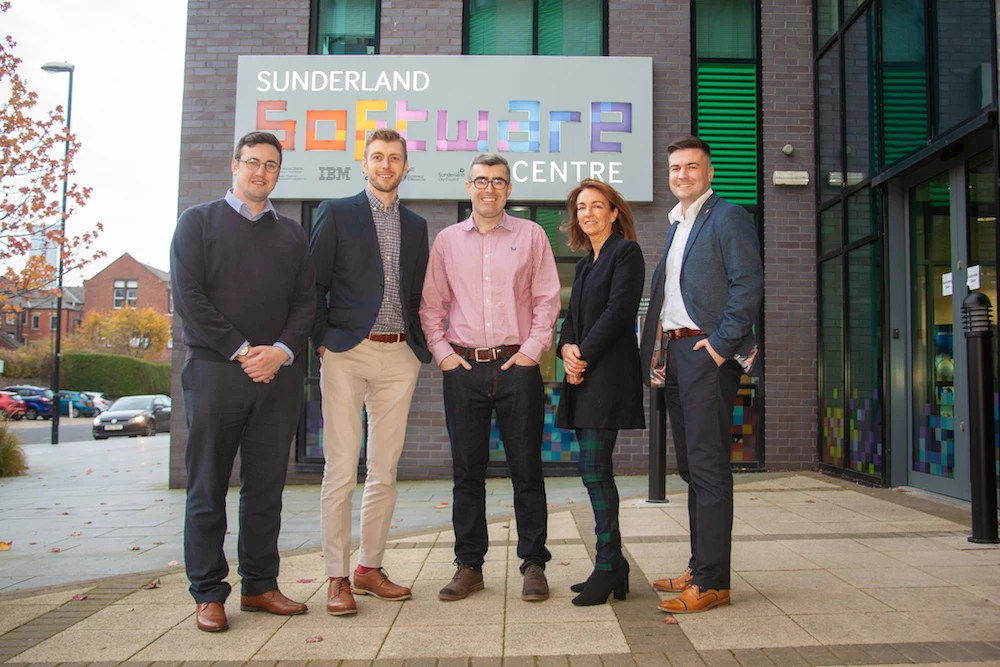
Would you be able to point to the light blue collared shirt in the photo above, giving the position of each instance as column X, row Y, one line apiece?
column 243, row 209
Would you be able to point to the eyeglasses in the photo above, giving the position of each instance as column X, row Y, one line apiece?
column 253, row 164
column 481, row 182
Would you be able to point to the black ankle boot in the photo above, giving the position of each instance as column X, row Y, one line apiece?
column 578, row 588
column 601, row 584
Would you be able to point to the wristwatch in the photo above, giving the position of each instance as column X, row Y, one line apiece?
column 243, row 351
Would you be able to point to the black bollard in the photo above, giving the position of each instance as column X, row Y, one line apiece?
column 657, row 447
column 979, row 343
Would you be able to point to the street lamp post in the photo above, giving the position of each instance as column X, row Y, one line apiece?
column 59, row 68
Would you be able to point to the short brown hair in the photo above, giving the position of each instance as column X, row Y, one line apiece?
column 253, row 138
column 691, row 141
column 388, row 136
column 624, row 224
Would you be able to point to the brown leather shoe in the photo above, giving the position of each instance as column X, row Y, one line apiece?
column 377, row 583
column 211, row 617
column 535, row 587
column 339, row 601
column 274, row 602
column 694, row 600
column 677, row 584
column 465, row 581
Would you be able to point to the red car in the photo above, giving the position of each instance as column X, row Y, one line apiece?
column 11, row 405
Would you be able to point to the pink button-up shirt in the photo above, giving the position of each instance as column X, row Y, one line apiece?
column 497, row 288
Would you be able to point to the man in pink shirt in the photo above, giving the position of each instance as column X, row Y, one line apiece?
column 493, row 279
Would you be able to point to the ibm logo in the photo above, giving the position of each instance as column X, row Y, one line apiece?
column 334, row 173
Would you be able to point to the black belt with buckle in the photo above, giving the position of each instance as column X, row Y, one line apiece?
column 485, row 354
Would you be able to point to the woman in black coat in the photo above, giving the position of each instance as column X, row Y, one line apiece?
column 602, row 392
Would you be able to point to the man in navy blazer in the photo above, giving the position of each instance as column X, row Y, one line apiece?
column 370, row 255
column 696, row 342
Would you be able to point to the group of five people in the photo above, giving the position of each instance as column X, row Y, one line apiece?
column 483, row 302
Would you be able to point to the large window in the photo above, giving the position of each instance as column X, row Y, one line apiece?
column 345, row 26
column 536, row 27
column 126, row 293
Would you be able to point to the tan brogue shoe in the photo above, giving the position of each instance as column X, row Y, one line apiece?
column 376, row 582
column 465, row 581
column 339, row 601
column 274, row 602
column 535, row 587
column 693, row 600
column 211, row 617
column 677, row 584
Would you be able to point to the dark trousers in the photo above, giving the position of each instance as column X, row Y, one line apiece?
column 470, row 397
column 699, row 398
column 228, row 412
column 596, row 447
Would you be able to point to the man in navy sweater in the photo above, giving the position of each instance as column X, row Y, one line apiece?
column 244, row 285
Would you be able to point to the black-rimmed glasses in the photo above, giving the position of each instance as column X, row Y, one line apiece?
column 482, row 181
column 270, row 166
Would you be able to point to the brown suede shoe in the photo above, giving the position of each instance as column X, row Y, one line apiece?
column 211, row 617
column 377, row 583
column 694, row 600
column 677, row 584
column 465, row 581
column 339, row 601
column 535, row 587
column 274, row 602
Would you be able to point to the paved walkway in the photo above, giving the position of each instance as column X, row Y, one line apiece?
column 825, row 573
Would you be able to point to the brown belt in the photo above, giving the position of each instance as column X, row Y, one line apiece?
column 484, row 354
column 387, row 337
column 674, row 334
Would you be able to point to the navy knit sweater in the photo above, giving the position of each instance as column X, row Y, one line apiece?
column 235, row 280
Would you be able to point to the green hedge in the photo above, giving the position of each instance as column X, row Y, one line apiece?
column 113, row 374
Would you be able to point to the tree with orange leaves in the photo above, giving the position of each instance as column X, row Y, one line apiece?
column 35, row 158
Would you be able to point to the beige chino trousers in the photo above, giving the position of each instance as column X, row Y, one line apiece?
column 380, row 377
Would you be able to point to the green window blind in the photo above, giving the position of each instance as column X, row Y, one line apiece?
column 500, row 27
column 507, row 27
column 346, row 26
column 727, row 107
column 725, row 29
column 570, row 28
column 904, row 108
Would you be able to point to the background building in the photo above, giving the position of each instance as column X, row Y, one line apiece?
column 35, row 324
column 128, row 283
column 861, row 136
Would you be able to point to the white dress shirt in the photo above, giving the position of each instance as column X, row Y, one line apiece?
column 675, row 315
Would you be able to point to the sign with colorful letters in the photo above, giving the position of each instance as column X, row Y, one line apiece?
column 555, row 119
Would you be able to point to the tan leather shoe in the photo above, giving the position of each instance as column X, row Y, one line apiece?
column 694, row 600
column 211, row 617
column 377, row 583
column 339, row 601
column 274, row 602
column 677, row 584
column 535, row 587
column 465, row 581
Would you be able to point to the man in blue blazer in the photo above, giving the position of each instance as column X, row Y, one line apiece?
column 696, row 342
column 370, row 255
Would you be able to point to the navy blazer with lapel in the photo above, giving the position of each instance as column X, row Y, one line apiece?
column 601, row 321
column 349, row 276
column 722, row 282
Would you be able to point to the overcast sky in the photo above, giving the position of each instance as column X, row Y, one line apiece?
column 129, row 58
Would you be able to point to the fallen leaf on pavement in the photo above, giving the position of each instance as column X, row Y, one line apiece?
column 55, row 550
column 90, row 470
column 157, row 542
column 810, row 501
column 509, row 505
column 314, row 639
column 133, row 548
column 158, row 500
column 104, row 503
column 562, row 562
column 76, row 534
column 305, row 581
column 150, row 587
column 173, row 563
column 670, row 620
column 5, row 546
column 754, row 498
column 9, row 547
column 440, row 506
column 570, row 502
column 63, row 513
column 87, row 523
column 444, row 502
column 79, row 597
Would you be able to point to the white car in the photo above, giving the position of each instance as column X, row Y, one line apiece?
column 101, row 402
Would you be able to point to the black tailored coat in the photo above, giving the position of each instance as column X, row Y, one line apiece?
column 601, row 321
column 350, row 281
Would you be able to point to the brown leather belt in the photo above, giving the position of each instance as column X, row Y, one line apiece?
column 387, row 337
column 485, row 354
column 674, row 334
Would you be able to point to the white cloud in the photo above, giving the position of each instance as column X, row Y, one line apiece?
column 127, row 95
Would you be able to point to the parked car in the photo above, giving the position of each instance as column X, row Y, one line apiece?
column 37, row 400
column 11, row 405
column 101, row 402
column 76, row 403
column 134, row 416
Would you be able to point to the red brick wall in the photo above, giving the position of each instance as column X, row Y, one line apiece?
column 44, row 336
column 100, row 290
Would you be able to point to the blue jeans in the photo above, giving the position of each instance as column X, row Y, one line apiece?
column 470, row 397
